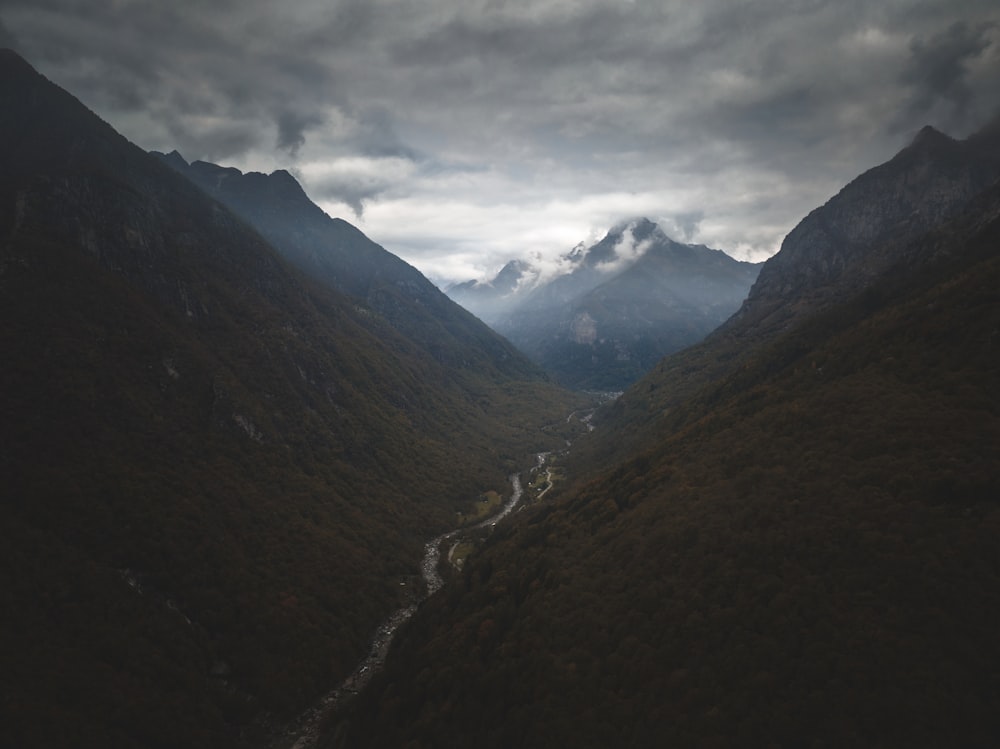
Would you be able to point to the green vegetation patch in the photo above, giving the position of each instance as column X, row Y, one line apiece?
column 480, row 508
column 460, row 553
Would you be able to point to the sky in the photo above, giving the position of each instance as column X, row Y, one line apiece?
column 460, row 134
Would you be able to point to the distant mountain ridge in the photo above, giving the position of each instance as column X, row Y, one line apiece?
column 338, row 254
column 488, row 300
column 620, row 305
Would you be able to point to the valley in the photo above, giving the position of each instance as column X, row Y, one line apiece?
column 784, row 534
column 305, row 731
column 267, row 487
column 266, row 450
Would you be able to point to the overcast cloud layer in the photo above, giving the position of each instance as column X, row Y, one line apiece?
column 462, row 134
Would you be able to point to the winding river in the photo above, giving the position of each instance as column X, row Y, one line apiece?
column 303, row 732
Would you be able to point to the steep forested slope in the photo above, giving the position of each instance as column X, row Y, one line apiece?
column 802, row 552
column 339, row 255
column 215, row 472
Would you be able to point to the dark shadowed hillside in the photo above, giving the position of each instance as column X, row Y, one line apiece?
column 216, row 472
column 337, row 254
column 858, row 234
column 798, row 547
column 835, row 253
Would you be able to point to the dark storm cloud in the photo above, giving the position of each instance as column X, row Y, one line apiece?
column 687, row 224
column 214, row 77
column 352, row 192
column 600, row 32
column 476, row 125
column 938, row 69
column 378, row 136
column 291, row 129
column 217, row 143
column 7, row 39
column 368, row 161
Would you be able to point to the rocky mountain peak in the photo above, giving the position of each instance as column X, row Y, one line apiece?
column 622, row 303
column 840, row 247
column 339, row 255
column 279, row 185
column 625, row 236
column 929, row 136
column 641, row 228
column 210, row 173
column 173, row 159
column 509, row 276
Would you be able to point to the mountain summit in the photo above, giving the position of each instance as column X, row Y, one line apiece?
column 619, row 306
column 840, row 247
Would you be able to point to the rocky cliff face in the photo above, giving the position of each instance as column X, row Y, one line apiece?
column 840, row 247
